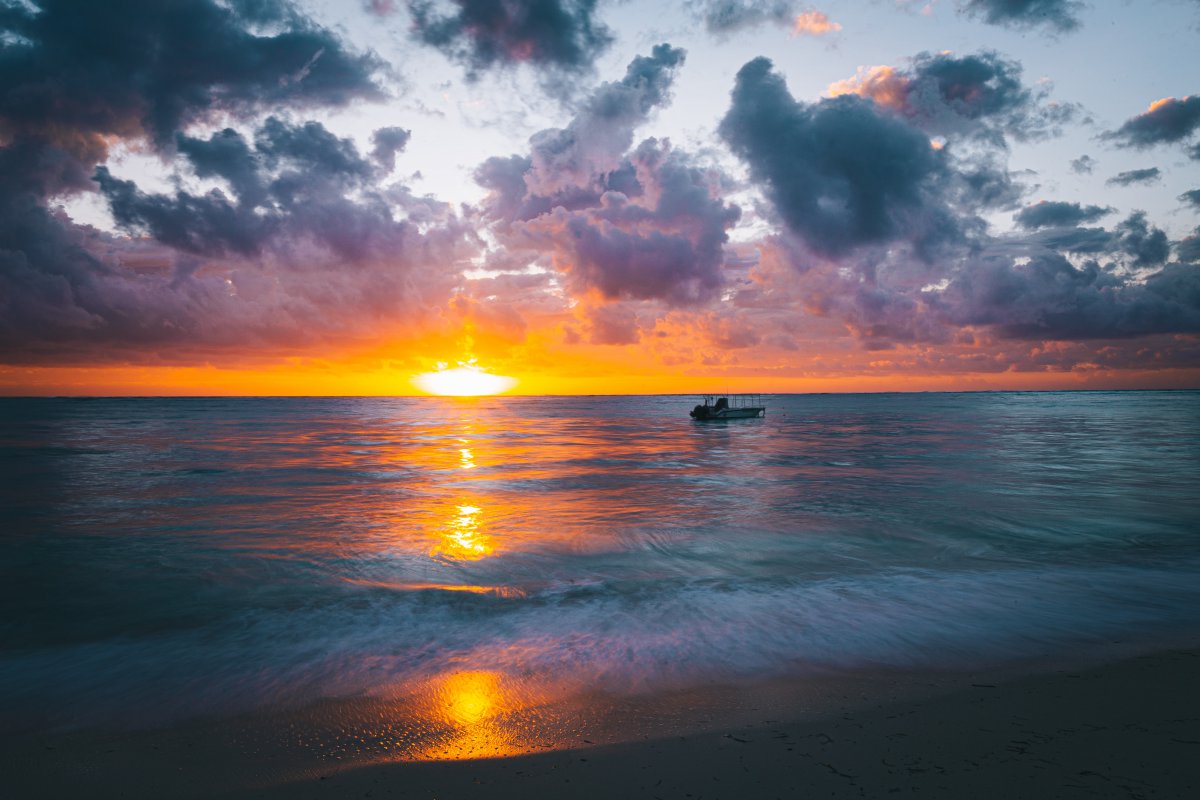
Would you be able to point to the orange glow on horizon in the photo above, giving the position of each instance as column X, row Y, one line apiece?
column 600, row 378
column 541, row 362
column 465, row 380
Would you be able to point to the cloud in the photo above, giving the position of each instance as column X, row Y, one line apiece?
column 838, row 173
column 295, row 183
column 864, row 265
column 1090, row 241
column 729, row 16
column 1130, row 177
column 1147, row 245
column 813, row 23
column 1192, row 196
column 1047, row 297
column 573, row 166
column 613, row 323
column 1045, row 214
column 139, row 66
column 979, row 96
column 1060, row 16
column 1084, row 165
column 387, row 143
column 602, row 130
column 985, row 183
column 642, row 224
column 207, row 268
column 663, row 241
column 298, row 249
column 482, row 34
column 1167, row 120
column 1188, row 248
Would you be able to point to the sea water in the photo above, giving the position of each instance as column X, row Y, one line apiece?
column 167, row 558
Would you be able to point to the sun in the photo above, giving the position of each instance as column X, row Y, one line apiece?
column 466, row 380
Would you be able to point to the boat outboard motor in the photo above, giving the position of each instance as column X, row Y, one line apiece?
column 699, row 412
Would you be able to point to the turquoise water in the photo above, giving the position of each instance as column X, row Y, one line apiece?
column 170, row 557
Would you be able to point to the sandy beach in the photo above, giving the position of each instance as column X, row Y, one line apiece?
column 1126, row 729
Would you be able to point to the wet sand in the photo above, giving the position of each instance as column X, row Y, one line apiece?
column 1127, row 729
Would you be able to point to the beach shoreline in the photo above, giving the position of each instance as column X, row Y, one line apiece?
column 1129, row 728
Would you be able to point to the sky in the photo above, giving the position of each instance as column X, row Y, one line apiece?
column 598, row 196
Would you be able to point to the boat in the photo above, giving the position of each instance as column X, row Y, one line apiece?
column 745, row 406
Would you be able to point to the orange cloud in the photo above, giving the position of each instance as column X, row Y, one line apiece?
column 814, row 23
column 882, row 83
column 1157, row 104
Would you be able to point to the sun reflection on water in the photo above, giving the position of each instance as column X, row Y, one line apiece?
column 468, row 697
column 472, row 707
column 463, row 538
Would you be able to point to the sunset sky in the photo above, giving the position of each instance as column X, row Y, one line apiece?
column 598, row 196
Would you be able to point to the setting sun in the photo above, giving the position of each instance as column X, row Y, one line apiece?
column 465, row 380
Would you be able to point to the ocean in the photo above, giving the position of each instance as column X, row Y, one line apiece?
column 171, row 559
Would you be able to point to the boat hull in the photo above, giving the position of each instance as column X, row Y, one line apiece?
column 709, row 415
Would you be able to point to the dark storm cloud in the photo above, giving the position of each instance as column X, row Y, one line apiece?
column 1091, row 241
column 294, row 184
column 1057, row 15
column 227, row 155
column 1047, row 214
column 312, row 149
column 1028, row 285
column 1168, row 120
column 1146, row 244
column 839, row 173
column 1130, row 177
column 131, row 66
column 1192, row 196
column 559, row 34
column 1084, row 165
column 1047, row 297
column 987, row 185
column 728, row 16
column 76, row 77
column 982, row 88
column 981, row 96
column 1188, row 248
column 210, row 224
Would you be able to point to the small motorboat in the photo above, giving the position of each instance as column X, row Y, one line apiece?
column 745, row 406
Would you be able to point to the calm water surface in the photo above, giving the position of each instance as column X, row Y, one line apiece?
column 163, row 558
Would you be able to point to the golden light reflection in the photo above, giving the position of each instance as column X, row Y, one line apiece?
column 468, row 697
column 472, row 707
column 468, row 458
column 463, row 538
